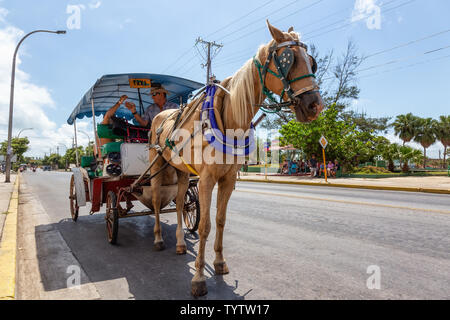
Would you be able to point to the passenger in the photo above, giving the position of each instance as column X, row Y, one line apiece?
column 159, row 95
column 108, row 115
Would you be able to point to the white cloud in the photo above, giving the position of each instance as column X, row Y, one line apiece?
column 95, row 5
column 3, row 14
column 125, row 22
column 30, row 100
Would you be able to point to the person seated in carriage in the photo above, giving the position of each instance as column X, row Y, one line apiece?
column 159, row 95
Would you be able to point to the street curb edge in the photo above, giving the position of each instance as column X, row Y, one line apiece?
column 354, row 186
column 8, row 247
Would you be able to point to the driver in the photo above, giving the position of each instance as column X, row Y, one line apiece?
column 159, row 95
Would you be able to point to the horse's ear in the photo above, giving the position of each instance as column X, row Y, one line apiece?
column 291, row 29
column 277, row 34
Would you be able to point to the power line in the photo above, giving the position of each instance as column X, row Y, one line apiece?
column 405, row 67
column 397, row 60
column 178, row 59
column 357, row 20
column 258, row 20
column 256, row 30
column 409, row 43
column 240, row 18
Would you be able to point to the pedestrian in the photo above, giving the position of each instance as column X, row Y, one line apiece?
column 313, row 165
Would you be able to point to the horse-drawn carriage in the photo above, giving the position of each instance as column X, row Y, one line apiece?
column 280, row 68
column 116, row 176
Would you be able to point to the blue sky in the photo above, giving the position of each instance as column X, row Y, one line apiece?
column 54, row 71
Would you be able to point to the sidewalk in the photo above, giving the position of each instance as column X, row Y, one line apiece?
column 6, row 190
column 438, row 184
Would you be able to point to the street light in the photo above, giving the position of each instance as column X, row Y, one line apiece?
column 23, row 130
column 11, row 101
column 89, row 138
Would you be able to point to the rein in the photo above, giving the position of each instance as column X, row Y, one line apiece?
column 283, row 63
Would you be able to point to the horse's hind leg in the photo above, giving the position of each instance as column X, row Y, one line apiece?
column 183, row 184
column 226, row 186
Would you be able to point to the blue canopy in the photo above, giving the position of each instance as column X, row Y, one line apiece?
column 108, row 89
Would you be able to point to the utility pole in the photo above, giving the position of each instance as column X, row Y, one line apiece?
column 208, row 45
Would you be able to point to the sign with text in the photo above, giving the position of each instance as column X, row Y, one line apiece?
column 140, row 83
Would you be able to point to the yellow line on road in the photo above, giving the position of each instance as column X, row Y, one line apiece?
column 342, row 201
column 8, row 247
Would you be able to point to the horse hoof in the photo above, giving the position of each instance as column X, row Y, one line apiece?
column 199, row 288
column 221, row 268
column 159, row 246
column 181, row 249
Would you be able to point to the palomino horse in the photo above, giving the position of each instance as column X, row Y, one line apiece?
column 282, row 67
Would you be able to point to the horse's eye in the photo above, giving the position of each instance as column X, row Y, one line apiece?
column 313, row 64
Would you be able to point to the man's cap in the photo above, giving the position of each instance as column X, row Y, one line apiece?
column 158, row 88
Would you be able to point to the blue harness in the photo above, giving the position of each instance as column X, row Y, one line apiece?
column 215, row 137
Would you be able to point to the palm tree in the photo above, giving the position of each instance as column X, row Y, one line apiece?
column 443, row 133
column 389, row 152
column 407, row 154
column 405, row 126
column 425, row 135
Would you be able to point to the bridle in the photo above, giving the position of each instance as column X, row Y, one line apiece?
column 283, row 64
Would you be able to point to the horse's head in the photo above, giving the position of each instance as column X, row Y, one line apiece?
column 288, row 70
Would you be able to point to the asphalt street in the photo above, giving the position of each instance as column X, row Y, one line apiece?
column 280, row 242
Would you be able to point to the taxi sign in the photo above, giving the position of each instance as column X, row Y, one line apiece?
column 323, row 142
column 140, row 83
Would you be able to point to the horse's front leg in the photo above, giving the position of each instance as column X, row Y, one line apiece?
column 156, row 201
column 205, row 187
column 226, row 186
column 183, row 184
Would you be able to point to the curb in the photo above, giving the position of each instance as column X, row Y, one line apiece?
column 8, row 248
column 354, row 186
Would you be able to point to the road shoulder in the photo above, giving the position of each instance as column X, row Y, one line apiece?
column 46, row 265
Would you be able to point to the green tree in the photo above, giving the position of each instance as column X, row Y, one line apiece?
column 347, row 144
column 405, row 127
column 443, row 133
column 406, row 154
column 425, row 135
column 18, row 145
column 389, row 152
column 70, row 155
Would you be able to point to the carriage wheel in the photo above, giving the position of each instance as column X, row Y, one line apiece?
column 112, row 217
column 74, row 208
column 191, row 209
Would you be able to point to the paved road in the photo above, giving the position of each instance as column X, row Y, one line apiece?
column 281, row 242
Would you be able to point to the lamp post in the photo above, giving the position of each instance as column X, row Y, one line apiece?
column 89, row 138
column 23, row 130
column 11, row 102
